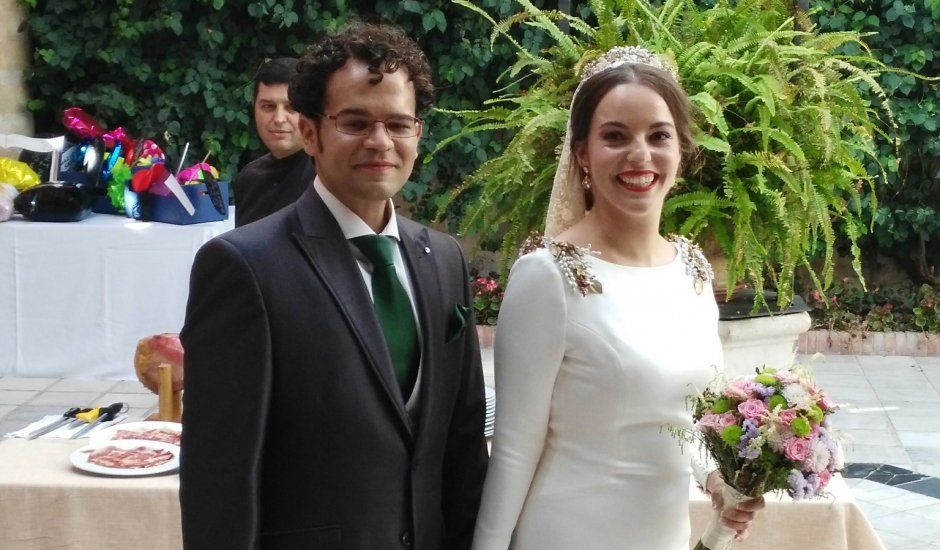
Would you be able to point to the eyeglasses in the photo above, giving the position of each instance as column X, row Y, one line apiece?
column 397, row 126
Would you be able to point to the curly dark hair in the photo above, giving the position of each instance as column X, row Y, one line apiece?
column 383, row 48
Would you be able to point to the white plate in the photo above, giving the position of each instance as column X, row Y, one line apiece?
column 79, row 458
column 107, row 434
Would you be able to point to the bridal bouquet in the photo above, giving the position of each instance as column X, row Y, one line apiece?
column 768, row 432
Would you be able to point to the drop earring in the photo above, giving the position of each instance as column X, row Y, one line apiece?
column 586, row 182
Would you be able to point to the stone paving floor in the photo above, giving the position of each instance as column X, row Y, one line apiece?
column 890, row 411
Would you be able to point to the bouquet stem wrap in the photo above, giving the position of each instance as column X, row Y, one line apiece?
column 717, row 536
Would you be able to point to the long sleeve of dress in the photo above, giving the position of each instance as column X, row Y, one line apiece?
column 530, row 345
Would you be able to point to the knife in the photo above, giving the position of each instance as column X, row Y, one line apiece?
column 67, row 417
column 105, row 414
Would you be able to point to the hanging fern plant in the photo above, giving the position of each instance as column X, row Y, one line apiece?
column 784, row 124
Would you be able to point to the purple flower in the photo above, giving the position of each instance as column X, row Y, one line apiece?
column 763, row 391
column 800, row 487
column 750, row 432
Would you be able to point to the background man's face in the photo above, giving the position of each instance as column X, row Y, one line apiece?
column 276, row 120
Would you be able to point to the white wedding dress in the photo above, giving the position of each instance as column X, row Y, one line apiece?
column 587, row 389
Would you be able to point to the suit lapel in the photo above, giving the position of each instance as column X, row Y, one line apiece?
column 328, row 254
column 419, row 258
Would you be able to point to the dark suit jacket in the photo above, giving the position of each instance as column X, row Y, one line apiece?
column 295, row 432
column 267, row 184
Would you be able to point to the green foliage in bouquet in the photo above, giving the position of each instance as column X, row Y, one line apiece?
column 783, row 124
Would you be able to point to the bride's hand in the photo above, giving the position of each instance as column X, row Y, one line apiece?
column 738, row 518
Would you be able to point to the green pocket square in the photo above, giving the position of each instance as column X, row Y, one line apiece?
column 458, row 325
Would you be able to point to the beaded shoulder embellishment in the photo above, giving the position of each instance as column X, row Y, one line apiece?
column 571, row 259
column 696, row 265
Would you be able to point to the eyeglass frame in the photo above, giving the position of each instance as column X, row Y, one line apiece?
column 419, row 123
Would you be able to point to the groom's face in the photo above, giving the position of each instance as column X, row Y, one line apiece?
column 363, row 171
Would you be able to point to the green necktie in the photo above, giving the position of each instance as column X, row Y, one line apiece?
column 393, row 309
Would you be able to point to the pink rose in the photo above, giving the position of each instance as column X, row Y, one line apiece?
column 753, row 409
column 797, row 448
column 708, row 421
column 825, row 403
column 786, row 416
column 824, row 478
column 738, row 390
column 726, row 419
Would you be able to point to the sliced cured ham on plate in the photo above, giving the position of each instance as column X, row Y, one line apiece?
column 127, row 457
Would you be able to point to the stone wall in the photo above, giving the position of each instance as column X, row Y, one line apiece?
column 14, row 60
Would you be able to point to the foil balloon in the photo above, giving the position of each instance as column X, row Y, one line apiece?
column 81, row 124
column 18, row 174
column 54, row 202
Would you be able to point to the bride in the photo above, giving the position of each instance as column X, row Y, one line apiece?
column 605, row 328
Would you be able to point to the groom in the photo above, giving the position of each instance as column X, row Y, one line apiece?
column 334, row 396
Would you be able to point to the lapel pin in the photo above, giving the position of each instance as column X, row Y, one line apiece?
column 427, row 250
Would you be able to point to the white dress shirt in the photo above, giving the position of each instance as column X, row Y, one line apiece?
column 353, row 226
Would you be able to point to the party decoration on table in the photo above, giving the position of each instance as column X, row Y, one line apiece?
column 149, row 167
column 80, row 123
column 767, row 432
column 18, row 174
column 54, row 202
column 207, row 174
column 34, row 153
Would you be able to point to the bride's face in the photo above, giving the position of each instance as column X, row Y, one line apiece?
column 632, row 152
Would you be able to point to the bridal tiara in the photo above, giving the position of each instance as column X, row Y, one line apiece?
column 620, row 55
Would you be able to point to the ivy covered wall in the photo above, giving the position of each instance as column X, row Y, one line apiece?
column 906, row 35
column 184, row 66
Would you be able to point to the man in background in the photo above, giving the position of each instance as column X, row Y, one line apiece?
column 277, row 179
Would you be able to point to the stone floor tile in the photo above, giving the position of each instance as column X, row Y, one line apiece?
column 914, row 422
column 907, row 501
column 898, row 542
column 919, row 439
column 872, row 438
column 88, row 386
column 885, row 362
column 931, row 511
column 871, row 453
column 920, row 394
column 906, row 524
column 31, row 413
column 928, row 487
column 6, row 409
column 861, row 420
column 841, row 393
column 133, row 400
column 67, row 399
column 130, row 386
column 873, row 510
column 931, row 469
column 16, row 397
column 15, row 383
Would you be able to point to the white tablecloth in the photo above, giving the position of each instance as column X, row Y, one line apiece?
column 45, row 503
column 76, row 297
